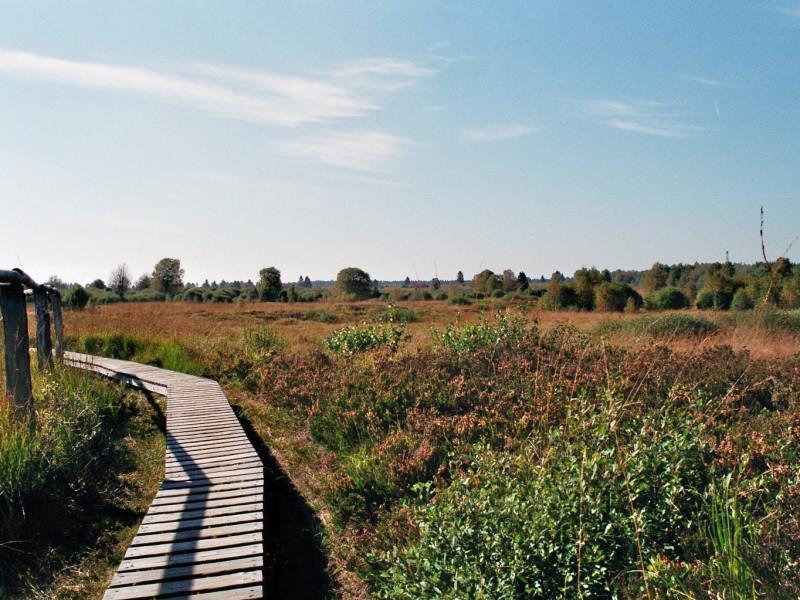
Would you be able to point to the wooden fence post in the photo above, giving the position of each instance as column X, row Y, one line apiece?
column 44, row 344
column 15, row 335
column 58, row 323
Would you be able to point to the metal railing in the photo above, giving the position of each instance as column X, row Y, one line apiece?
column 13, row 307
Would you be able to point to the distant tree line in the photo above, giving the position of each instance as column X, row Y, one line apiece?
column 719, row 286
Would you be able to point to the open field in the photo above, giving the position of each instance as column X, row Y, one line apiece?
column 303, row 326
column 538, row 454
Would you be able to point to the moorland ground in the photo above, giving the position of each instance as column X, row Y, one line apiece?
column 493, row 450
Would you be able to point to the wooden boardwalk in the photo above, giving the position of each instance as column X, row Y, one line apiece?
column 202, row 536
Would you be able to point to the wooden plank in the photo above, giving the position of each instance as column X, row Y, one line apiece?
column 178, row 454
column 169, row 560
column 254, row 537
column 197, row 534
column 192, row 469
column 216, row 493
column 200, row 584
column 201, row 523
column 201, row 513
column 159, row 509
column 210, row 490
column 183, row 571
column 240, row 593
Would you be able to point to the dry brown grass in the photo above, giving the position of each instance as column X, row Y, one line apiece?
column 199, row 324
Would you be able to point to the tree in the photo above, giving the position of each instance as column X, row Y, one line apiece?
column 98, row 284
column 143, row 283
column 76, row 297
column 407, row 282
column 522, row 281
column 120, row 280
column 667, row 298
column 269, row 284
column 509, row 280
column 486, row 281
column 655, row 279
column 307, row 282
column 585, row 282
column 460, row 278
column 56, row 282
column 615, row 297
column 742, row 300
column 354, row 282
column 435, row 283
column 167, row 276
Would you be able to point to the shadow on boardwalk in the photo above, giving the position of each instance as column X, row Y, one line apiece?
column 296, row 565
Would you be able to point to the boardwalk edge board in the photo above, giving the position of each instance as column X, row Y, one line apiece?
column 203, row 533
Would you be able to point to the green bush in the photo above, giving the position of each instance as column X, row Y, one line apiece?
column 560, row 524
column 563, row 297
column 505, row 332
column 367, row 336
column 667, row 298
column 614, row 297
column 498, row 294
column 677, row 325
column 741, row 300
column 705, row 299
column 320, row 315
column 76, row 297
column 459, row 299
column 397, row 314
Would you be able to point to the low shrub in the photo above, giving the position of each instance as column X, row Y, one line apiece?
column 506, row 331
column 459, row 299
column 367, row 336
column 319, row 315
column 576, row 521
column 677, row 325
column 667, row 298
column 705, row 299
column 76, row 297
column 397, row 314
column 742, row 300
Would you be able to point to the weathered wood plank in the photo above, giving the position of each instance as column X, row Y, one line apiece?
column 254, row 537
column 199, row 584
column 187, row 571
column 169, row 560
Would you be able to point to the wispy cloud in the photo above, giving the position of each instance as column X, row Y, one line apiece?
column 368, row 151
column 640, row 116
column 791, row 11
column 382, row 73
column 495, row 133
column 247, row 94
column 707, row 81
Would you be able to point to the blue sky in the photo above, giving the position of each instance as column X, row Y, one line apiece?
column 407, row 138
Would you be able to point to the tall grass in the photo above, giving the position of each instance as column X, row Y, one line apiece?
column 46, row 470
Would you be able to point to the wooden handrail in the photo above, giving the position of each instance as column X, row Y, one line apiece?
column 13, row 307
